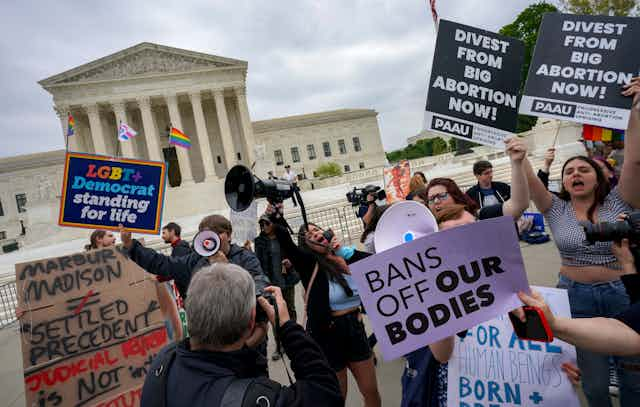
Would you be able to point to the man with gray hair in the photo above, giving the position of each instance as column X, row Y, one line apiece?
column 214, row 367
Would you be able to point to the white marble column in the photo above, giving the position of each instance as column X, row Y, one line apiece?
column 95, row 128
column 225, row 129
column 203, row 135
column 183, row 154
column 127, row 148
column 63, row 114
column 150, row 131
column 245, row 120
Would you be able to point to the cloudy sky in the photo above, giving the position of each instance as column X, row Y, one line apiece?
column 304, row 56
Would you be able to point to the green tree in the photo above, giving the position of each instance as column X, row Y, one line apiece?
column 439, row 146
column 601, row 7
column 525, row 27
column 452, row 144
column 326, row 170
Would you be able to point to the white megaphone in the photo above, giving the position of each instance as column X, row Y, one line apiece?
column 206, row 243
column 403, row 222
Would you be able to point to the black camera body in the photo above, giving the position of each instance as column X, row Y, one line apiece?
column 629, row 228
column 358, row 196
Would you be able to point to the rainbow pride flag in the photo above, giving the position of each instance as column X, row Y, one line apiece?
column 71, row 126
column 178, row 138
column 595, row 133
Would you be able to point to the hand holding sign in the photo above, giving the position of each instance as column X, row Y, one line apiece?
column 633, row 89
column 516, row 149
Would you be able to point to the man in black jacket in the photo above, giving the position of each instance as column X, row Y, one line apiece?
column 214, row 367
column 171, row 234
column 182, row 268
column 486, row 192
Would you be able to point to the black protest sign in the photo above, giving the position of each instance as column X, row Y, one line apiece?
column 579, row 66
column 90, row 329
column 473, row 90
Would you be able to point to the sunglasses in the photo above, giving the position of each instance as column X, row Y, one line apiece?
column 440, row 197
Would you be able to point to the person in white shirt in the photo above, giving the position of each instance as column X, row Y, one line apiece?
column 292, row 177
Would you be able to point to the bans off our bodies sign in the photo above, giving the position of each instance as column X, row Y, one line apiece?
column 579, row 66
column 433, row 287
column 473, row 90
column 90, row 329
column 102, row 192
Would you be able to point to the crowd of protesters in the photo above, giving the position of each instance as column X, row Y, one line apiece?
column 229, row 297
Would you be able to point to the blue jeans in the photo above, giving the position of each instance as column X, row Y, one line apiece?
column 603, row 300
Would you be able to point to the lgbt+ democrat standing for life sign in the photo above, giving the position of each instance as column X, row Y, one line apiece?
column 579, row 66
column 103, row 192
column 473, row 90
column 443, row 283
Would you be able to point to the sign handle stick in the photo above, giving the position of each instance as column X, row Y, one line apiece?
column 66, row 135
column 555, row 139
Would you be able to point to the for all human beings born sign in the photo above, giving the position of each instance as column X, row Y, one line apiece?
column 102, row 192
column 491, row 366
column 90, row 327
column 473, row 90
column 441, row 284
column 579, row 66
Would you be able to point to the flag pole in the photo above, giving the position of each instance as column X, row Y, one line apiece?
column 118, row 140
column 66, row 136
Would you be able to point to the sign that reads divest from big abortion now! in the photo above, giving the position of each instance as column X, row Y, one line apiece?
column 579, row 66
column 103, row 192
column 473, row 90
column 433, row 287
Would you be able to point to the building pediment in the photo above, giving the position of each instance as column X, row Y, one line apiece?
column 142, row 60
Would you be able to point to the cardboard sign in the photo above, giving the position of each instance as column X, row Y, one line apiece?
column 245, row 224
column 579, row 66
column 441, row 284
column 473, row 90
column 90, row 329
column 102, row 192
column 396, row 181
column 491, row 366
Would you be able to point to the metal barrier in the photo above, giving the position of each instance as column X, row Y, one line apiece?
column 341, row 219
column 8, row 302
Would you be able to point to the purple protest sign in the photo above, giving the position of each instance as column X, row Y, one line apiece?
column 433, row 287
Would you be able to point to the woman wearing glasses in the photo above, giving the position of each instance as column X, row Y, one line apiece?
column 444, row 192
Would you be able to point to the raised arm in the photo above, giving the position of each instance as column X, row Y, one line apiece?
column 443, row 349
column 519, row 201
column 628, row 184
column 539, row 194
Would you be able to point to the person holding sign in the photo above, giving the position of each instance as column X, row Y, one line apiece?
column 591, row 273
column 443, row 192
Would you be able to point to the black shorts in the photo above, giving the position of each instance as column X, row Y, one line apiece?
column 345, row 341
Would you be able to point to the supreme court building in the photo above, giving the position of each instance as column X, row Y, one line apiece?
column 152, row 87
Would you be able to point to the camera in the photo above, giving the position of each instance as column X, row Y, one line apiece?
column 615, row 231
column 359, row 195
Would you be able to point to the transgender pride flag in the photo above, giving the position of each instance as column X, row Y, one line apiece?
column 125, row 132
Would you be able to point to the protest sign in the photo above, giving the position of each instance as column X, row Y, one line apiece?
column 579, row 66
column 90, row 327
column 438, row 285
column 102, row 192
column 245, row 224
column 491, row 366
column 473, row 90
column 396, row 181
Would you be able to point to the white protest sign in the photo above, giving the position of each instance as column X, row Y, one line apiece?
column 244, row 224
column 492, row 367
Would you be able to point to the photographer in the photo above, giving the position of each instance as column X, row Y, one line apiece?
column 332, row 304
column 590, row 272
column 182, row 268
column 214, row 367
column 618, row 336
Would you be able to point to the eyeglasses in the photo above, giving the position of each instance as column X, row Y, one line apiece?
column 440, row 197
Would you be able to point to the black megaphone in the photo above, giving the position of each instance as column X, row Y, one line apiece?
column 241, row 187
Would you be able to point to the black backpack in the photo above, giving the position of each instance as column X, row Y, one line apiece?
column 248, row 392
